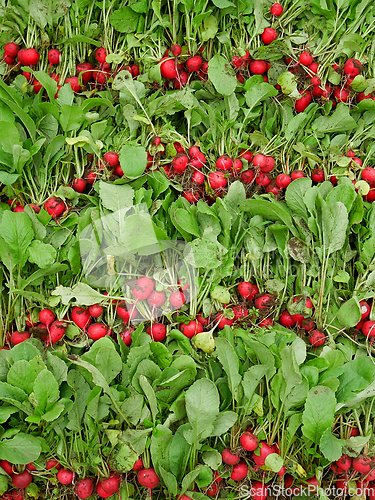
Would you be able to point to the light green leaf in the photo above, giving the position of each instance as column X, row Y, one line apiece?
column 202, row 408
column 133, row 161
column 228, row 358
column 116, row 196
column 21, row 449
column 222, row 75
column 331, row 446
column 42, row 254
column 319, row 412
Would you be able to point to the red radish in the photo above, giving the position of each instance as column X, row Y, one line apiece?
column 237, row 61
column 260, row 161
column 246, row 155
column 16, row 495
column 100, row 55
column 157, row 332
column 194, row 63
column 268, row 36
column 240, row 312
column 247, row 176
column 176, row 50
column 46, row 316
column 247, row 290
column 365, row 309
column 370, row 197
column 316, row 81
column 368, row 175
column 55, row 206
column 313, row 67
column 143, row 288
column 22, row 480
column 168, row 69
column 156, row 140
column 184, row 497
column 97, row 331
column 73, row 80
column 307, row 325
column 54, row 57
column 297, row 174
column 11, row 49
column 148, row 478
column 27, row 75
column 305, row 58
column 269, row 165
column 302, row 103
column 223, row 321
column 249, row 441
column 344, row 463
column 7, row 466
column 126, row 336
column 198, row 161
column 178, row 147
column 177, row 299
column 9, row 60
column 317, row 91
column 239, row 471
column 229, row 457
column 28, row 57
column 258, row 67
column 317, row 175
column 84, row 488
column 368, row 328
column 118, row 171
column 79, row 185
column 65, row 476
column 52, row 464
column 135, row 70
column 191, row 196
column 265, row 450
column 317, row 338
column 85, row 70
column 224, row 163
column 362, row 464
column 213, row 490
column 217, row 180
column 198, row 177
column 283, row 181
column 264, row 301
column 111, row 158
column 91, row 177
column 191, row 329
column 341, row 95
column 138, row 464
column 266, row 323
column 287, row 320
column 358, row 161
column 56, row 333
column 263, row 179
column 237, row 166
column 352, row 67
column 203, row 321
column 108, row 486
column 276, row 9
column 282, row 471
column 37, row 86
column 18, row 337
column 260, row 491
column 156, row 299
column 81, row 317
column 180, row 163
column 19, row 209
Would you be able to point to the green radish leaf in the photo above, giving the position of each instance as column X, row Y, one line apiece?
column 319, row 412
column 21, row 374
column 132, row 408
column 258, row 93
column 274, row 462
column 222, row 75
column 221, row 294
column 41, row 254
column 354, row 445
column 287, row 82
column 299, row 250
column 16, row 235
column 123, row 458
column 133, row 161
column 169, row 480
column 84, row 294
column 190, row 477
column 212, row 458
column 349, row 313
column 294, row 196
column 229, row 360
column 339, row 121
column 331, row 446
column 124, row 20
column 357, row 376
column 224, row 421
column 179, row 452
column 21, row 449
column 9, row 136
column 116, row 196
column 46, row 390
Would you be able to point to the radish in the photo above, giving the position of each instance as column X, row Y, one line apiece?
column 239, row 471
column 317, row 338
column 213, row 490
column 11, row 49
column 302, row 103
column 138, row 464
column 79, row 185
column 287, row 320
column 365, row 309
column 37, row 86
column 273, row 188
column 305, row 58
column 266, row 323
column 316, row 81
column 240, row 312
column 268, row 36
column 313, row 67
column 143, row 288
column 368, row 175
column 55, row 206
column 191, row 196
column 86, row 69
column 283, row 181
column 176, row 50
column 178, row 147
column 282, row 471
column 237, row 61
column 217, row 180
column 344, row 463
column 229, row 457
column 317, row 175
column 237, row 166
column 269, row 165
column 180, row 163
column 8, row 60
column 84, row 488
column 168, row 69
column 95, row 310
column 124, row 314
column 7, row 466
column 263, row 180
column 246, row 155
column 108, row 486
column 358, row 161
column 260, row 161
column 368, row 328
column 224, row 163
column 157, row 332
column 118, row 171
column 65, row 476
column 97, row 331
column 352, row 67
column 307, row 325
column 22, row 480
column 297, row 174
column 100, row 55
column 247, row 176
column 341, row 95
column 73, row 80
column 264, row 301
column 191, row 329
column 265, row 450
column 111, row 158
column 276, row 9
column 258, row 67
column 370, row 196
column 177, row 299
column 52, row 464
column 28, row 57
column 184, row 497
column 203, row 321
column 194, row 63
column 148, row 478
column 260, row 491
column 198, row 177
column 156, row 299
column 54, row 57
column 362, row 464
column 81, row 317
column 249, row 441
column 16, row 495
column 247, row 290
column 223, row 321
column 91, row 177
column 18, row 337
column 317, row 91
column 56, row 333
column 126, row 336
column 18, row 209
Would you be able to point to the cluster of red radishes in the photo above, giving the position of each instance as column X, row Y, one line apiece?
column 366, row 326
column 178, row 71
column 346, row 468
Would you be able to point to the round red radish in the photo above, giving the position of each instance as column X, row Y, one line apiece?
column 156, row 299
column 224, row 163
column 194, row 63
column 352, row 67
column 258, row 67
column 100, row 55
column 28, row 57
column 302, row 103
column 177, row 299
column 198, row 177
column 276, row 9
column 365, row 310
column 368, row 328
column 217, row 180
column 287, row 320
column 126, row 336
column 22, row 480
column 65, row 476
column 157, row 332
column 143, row 288
column 84, row 488
column 56, row 332
column 368, row 175
column 18, row 337
column 317, row 338
column 246, row 155
column 203, row 321
column 260, row 491
column 7, row 466
column 95, row 310
column 297, row 174
column 305, row 58
column 73, row 80
column 263, row 179
column 191, row 196
column 344, row 463
column 52, row 464
column 247, row 176
column 223, row 321
column 264, row 451
column 239, row 471
column 264, row 301
column 341, row 95
column 138, row 464
column 283, row 181
column 55, row 206
column 260, row 161
column 97, row 331
column 148, row 478
column 81, row 317
column 362, row 464
column 240, row 312
column 213, row 490
column 176, row 50
column 111, row 158
column 108, row 486
column 180, row 163
column 79, row 185
column 191, row 329
column 85, row 70
column 266, row 323
column 307, row 325
column 46, row 316
column 249, row 441
column 237, row 166
column 317, row 175
column 247, row 290
column 54, row 57
column 229, row 457
column 168, row 69
column 11, row 49
column 268, row 36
